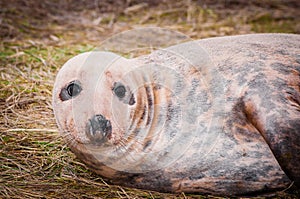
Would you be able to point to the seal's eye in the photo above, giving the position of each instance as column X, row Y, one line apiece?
column 119, row 90
column 73, row 89
column 70, row 91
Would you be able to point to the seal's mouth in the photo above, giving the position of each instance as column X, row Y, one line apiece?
column 98, row 129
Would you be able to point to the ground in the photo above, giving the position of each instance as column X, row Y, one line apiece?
column 37, row 37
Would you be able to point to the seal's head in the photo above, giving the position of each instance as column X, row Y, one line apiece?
column 82, row 98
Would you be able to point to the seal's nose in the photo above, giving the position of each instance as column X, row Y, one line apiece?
column 98, row 128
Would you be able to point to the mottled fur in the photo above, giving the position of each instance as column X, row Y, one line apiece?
column 228, row 106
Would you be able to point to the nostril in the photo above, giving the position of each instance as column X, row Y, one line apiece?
column 99, row 117
column 101, row 121
column 107, row 128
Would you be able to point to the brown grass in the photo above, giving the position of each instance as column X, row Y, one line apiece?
column 37, row 37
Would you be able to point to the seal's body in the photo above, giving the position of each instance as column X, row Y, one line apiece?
column 218, row 116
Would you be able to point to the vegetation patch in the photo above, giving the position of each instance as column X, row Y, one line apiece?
column 38, row 37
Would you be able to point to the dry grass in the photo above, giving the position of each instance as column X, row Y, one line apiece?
column 37, row 37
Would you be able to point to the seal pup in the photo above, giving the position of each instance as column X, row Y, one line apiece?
column 218, row 116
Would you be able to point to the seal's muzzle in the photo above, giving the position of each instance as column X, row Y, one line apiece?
column 98, row 129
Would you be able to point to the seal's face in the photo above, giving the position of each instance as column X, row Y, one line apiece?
column 83, row 95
